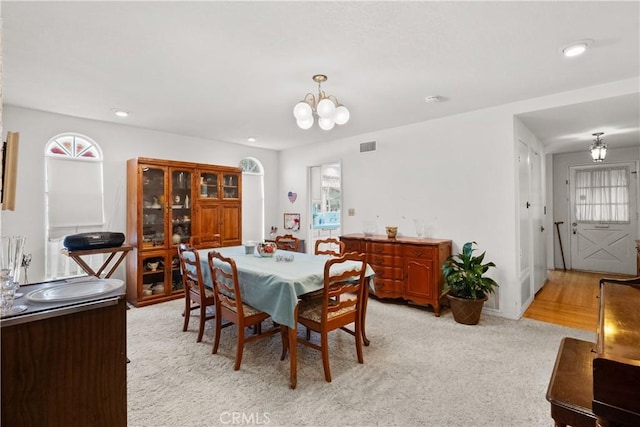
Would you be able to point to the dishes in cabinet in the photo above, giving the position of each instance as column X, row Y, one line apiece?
column 176, row 207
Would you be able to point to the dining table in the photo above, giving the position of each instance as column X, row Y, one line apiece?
column 275, row 285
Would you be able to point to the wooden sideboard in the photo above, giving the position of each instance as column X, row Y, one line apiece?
column 596, row 384
column 406, row 267
column 65, row 364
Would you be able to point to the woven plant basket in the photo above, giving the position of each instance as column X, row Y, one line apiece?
column 466, row 311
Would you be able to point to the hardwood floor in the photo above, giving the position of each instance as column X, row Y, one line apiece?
column 569, row 298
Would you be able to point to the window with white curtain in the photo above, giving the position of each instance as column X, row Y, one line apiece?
column 74, row 199
column 602, row 195
column 252, row 199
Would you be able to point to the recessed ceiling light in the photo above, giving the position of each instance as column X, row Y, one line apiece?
column 121, row 113
column 251, row 139
column 576, row 48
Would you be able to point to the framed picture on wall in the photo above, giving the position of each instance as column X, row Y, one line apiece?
column 292, row 221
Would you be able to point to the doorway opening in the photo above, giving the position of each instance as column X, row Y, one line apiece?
column 325, row 188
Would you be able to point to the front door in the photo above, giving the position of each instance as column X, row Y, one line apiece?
column 603, row 218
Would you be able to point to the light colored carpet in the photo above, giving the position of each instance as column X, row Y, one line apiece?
column 419, row 371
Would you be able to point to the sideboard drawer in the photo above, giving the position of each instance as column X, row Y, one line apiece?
column 383, row 261
column 388, row 272
column 381, row 248
column 390, row 287
column 416, row 251
column 352, row 245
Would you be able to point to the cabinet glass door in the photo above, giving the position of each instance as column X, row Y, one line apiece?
column 208, row 185
column 181, row 202
column 153, row 206
column 230, row 186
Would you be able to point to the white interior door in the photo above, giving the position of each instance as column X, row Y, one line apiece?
column 525, row 208
column 539, row 236
column 603, row 218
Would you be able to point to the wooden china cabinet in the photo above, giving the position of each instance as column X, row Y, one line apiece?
column 406, row 267
column 168, row 202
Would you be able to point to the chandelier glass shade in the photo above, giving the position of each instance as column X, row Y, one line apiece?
column 598, row 148
column 326, row 107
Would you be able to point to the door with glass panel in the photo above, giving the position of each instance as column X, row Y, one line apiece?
column 603, row 218
column 325, row 189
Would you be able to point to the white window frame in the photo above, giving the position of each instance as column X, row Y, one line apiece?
column 71, row 147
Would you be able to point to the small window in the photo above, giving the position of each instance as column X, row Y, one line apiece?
column 602, row 195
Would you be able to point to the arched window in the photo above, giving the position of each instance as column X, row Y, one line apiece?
column 252, row 199
column 73, row 146
column 251, row 165
column 74, row 198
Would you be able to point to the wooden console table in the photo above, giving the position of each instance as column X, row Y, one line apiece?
column 77, row 257
column 596, row 384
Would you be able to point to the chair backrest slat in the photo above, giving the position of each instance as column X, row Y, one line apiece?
column 328, row 247
column 287, row 242
column 350, row 281
column 191, row 270
column 224, row 275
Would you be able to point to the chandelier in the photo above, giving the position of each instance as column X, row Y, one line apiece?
column 329, row 111
column 598, row 148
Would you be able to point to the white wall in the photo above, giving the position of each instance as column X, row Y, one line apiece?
column 561, row 164
column 119, row 143
column 459, row 173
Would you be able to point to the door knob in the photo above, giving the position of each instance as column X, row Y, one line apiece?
column 541, row 228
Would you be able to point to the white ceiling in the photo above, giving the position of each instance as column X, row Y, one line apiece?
column 229, row 70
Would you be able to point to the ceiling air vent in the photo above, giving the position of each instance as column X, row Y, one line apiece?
column 367, row 146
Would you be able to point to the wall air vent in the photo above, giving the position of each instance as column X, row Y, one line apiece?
column 367, row 146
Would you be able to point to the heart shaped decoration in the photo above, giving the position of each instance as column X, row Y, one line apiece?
column 292, row 196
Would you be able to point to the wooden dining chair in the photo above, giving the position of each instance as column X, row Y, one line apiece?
column 328, row 247
column 325, row 247
column 195, row 292
column 340, row 305
column 205, row 241
column 288, row 242
column 229, row 305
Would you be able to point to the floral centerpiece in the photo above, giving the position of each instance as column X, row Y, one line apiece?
column 266, row 249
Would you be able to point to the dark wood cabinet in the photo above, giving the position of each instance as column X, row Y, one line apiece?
column 66, row 366
column 167, row 203
column 406, row 267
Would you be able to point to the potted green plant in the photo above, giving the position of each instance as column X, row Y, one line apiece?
column 466, row 285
